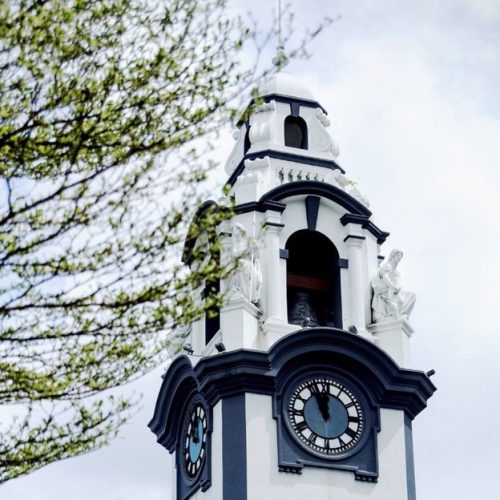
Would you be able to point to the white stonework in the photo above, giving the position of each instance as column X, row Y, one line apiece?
column 255, row 315
column 271, row 230
column 285, row 84
column 246, row 281
column 266, row 482
column 393, row 336
column 240, row 325
column 390, row 301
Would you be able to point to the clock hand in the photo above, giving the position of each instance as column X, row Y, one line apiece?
column 326, row 400
column 322, row 401
column 194, row 432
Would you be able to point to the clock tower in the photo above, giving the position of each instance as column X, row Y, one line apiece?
column 300, row 385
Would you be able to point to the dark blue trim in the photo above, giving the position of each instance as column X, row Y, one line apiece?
column 179, row 380
column 343, row 263
column 295, row 109
column 244, row 370
column 410, row 465
column 366, row 224
column 308, row 103
column 234, row 448
column 292, row 456
column 312, row 210
column 255, row 206
column 282, row 155
column 236, row 172
column 354, row 237
column 316, row 188
column 284, row 253
column 295, row 158
column 231, row 374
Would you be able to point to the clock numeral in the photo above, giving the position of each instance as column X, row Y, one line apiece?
column 354, row 420
column 342, row 442
column 350, row 433
column 301, row 425
column 312, row 438
column 297, row 413
column 319, row 388
column 314, row 388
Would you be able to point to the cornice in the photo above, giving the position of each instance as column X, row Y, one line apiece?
column 243, row 371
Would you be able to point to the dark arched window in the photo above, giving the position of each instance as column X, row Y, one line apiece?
column 295, row 132
column 313, row 280
column 212, row 310
column 246, row 143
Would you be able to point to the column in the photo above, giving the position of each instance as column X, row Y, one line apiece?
column 274, row 286
column 354, row 243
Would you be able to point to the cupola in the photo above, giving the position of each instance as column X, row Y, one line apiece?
column 298, row 385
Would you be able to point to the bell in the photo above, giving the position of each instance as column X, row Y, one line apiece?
column 301, row 310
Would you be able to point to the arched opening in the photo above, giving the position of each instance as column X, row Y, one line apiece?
column 313, row 280
column 246, row 141
column 212, row 309
column 295, row 132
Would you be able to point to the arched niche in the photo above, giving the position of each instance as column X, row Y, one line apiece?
column 246, row 141
column 212, row 310
column 313, row 280
column 295, row 132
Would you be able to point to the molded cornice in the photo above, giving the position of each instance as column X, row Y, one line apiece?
column 241, row 371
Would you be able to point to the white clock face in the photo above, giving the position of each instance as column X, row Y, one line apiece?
column 325, row 416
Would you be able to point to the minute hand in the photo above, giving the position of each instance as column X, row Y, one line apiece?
column 322, row 401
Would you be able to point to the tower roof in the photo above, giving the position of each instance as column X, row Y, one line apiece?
column 285, row 84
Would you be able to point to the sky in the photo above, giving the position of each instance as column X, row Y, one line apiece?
column 412, row 90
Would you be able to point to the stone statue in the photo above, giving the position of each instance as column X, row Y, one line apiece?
column 178, row 338
column 389, row 299
column 246, row 281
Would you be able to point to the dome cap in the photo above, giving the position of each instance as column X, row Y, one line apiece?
column 286, row 85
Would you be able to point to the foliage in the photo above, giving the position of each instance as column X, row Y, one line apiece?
column 106, row 111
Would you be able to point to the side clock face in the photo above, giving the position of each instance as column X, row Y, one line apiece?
column 195, row 440
column 325, row 416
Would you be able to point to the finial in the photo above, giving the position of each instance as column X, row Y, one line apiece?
column 280, row 59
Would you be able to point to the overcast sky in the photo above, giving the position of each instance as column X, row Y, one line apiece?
column 412, row 89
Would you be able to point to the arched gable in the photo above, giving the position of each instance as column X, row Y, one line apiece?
column 317, row 188
column 179, row 382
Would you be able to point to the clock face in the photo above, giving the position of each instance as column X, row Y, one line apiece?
column 325, row 416
column 195, row 440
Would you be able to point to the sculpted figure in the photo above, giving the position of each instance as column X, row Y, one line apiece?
column 178, row 338
column 389, row 299
column 247, row 279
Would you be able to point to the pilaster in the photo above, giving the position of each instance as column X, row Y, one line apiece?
column 355, row 241
column 239, row 325
column 275, row 308
column 393, row 336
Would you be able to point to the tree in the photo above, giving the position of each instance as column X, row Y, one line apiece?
column 106, row 113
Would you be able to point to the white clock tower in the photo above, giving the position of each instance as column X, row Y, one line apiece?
column 300, row 386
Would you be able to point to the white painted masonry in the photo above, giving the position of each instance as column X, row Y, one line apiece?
column 266, row 482
column 259, row 325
